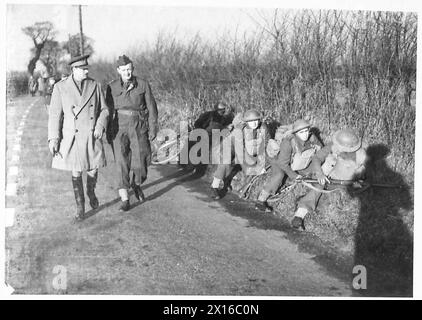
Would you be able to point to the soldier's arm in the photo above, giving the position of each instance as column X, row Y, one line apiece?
column 55, row 115
column 319, row 158
column 152, row 111
column 284, row 158
column 203, row 121
column 109, row 101
column 103, row 116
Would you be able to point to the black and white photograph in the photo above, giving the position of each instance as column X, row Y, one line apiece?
column 209, row 150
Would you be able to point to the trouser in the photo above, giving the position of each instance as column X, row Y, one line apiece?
column 276, row 180
column 310, row 201
column 132, row 150
column 91, row 173
column 225, row 172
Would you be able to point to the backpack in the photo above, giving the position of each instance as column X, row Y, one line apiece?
column 284, row 131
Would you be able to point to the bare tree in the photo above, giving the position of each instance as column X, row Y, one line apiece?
column 40, row 33
column 73, row 45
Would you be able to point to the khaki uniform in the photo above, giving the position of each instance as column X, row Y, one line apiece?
column 135, row 118
column 253, row 143
column 342, row 166
column 294, row 157
column 73, row 117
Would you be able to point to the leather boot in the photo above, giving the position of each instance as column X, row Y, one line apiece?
column 298, row 223
column 91, row 182
column 139, row 194
column 78, row 189
column 263, row 206
column 215, row 194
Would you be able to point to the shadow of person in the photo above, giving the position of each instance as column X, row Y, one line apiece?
column 383, row 243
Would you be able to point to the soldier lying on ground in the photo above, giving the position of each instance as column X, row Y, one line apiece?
column 249, row 138
column 292, row 157
column 343, row 159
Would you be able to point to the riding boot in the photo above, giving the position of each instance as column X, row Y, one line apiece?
column 139, row 194
column 78, row 189
column 91, row 182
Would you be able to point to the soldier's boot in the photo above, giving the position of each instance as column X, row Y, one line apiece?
column 78, row 189
column 299, row 218
column 139, row 194
column 91, row 182
column 124, row 196
column 262, row 203
column 227, row 185
column 215, row 189
column 215, row 193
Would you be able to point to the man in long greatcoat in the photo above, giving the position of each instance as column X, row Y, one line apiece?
column 78, row 117
column 134, row 125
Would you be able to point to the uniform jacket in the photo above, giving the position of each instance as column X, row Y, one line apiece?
column 342, row 166
column 247, row 146
column 137, row 97
column 289, row 148
column 73, row 117
column 212, row 120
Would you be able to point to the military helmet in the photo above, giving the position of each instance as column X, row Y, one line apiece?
column 251, row 115
column 300, row 124
column 346, row 140
column 220, row 106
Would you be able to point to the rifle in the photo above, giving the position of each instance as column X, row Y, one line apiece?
column 359, row 185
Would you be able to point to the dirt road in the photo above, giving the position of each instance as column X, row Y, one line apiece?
column 177, row 243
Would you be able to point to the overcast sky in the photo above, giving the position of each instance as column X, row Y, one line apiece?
column 117, row 28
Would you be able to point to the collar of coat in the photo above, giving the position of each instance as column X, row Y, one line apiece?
column 133, row 83
column 80, row 98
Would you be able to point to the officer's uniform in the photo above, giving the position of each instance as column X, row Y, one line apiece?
column 77, row 110
column 135, row 118
column 73, row 117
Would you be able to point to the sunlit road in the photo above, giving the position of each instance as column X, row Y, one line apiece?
column 177, row 243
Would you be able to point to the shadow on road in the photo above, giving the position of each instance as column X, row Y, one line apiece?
column 383, row 243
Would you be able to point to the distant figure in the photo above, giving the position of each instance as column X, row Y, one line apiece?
column 49, row 90
column 41, row 86
column 135, row 124
column 32, row 86
column 78, row 117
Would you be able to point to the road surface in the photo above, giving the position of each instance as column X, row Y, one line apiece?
column 176, row 243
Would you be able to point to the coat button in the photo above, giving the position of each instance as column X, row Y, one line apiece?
column 92, row 118
column 76, row 118
column 76, row 130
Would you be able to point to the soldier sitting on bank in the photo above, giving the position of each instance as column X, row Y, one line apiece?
column 249, row 138
column 218, row 118
column 343, row 159
column 292, row 157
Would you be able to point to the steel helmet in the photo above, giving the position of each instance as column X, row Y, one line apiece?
column 300, row 124
column 251, row 115
column 346, row 140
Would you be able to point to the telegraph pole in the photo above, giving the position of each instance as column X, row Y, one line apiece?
column 81, row 40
